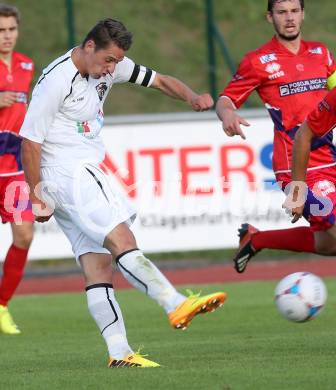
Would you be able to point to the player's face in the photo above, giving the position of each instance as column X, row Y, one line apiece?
column 287, row 17
column 103, row 61
column 8, row 34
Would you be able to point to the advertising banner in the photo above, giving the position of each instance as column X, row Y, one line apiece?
column 192, row 185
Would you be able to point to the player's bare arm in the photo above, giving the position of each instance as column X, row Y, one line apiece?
column 178, row 90
column 301, row 151
column 31, row 157
column 7, row 99
column 231, row 121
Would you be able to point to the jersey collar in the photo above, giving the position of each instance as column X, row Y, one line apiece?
column 280, row 47
column 13, row 61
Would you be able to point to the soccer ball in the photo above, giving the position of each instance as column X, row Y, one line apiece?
column 300, row 296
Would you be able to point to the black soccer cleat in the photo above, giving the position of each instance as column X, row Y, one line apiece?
column 245, row 250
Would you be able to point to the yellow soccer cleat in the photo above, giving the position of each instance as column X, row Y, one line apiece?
column 132, row 360
column 195, row 304
column 7, row 325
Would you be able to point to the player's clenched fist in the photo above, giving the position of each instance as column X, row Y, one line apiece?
column 7, row 99
column 202, row 102
column 41, row 210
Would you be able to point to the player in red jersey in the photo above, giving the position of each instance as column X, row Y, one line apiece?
column 319, row 124
column 290, row 75
column 16, row 72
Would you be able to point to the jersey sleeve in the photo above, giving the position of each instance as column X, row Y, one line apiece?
column 323, row 119
column 128, row 71
column 243, row 83
column 47, row 98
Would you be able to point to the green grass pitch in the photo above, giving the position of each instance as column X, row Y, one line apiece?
column 243, row 345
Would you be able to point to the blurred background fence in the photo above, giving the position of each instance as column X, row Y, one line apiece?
column 169, row 36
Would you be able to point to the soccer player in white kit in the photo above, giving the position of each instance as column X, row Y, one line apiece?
column 61, row 153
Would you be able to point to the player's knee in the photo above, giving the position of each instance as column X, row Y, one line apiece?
column 326, row 248
column 24, row 239
column 101, row 272
column 117, row 244
column 121, row 247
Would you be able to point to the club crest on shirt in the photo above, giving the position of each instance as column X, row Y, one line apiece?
column 300, row 67
column 101, row 89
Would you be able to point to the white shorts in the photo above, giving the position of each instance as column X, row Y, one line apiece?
column 87, row 205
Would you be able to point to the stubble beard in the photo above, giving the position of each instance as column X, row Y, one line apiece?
column 290, row 37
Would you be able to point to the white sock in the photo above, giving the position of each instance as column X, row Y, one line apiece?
column 146, row 277
column 106, row 312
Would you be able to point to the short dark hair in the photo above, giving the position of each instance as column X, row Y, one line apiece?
column 107, row 31
column 271, row 4
column 9, row 10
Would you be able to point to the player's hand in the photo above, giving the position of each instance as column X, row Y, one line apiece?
column 202, row 102
column 232, row 124
column 7, row 99
column 294, row 203
column 296, row 213
column 41, row 210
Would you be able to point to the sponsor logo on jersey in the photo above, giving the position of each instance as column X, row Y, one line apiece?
column 80, row 99
column 101, row 89
column 273, row 67
column 268, row 58
column 302, row 86
column 275, row 70
column 27, row 65
column 316, row 50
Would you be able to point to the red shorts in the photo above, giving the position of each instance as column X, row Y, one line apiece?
column 320, row 206
column 14, row 200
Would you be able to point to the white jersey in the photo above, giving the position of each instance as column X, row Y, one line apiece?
column 66, row 115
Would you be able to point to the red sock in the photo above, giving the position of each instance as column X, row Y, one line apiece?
column 12, row 272
column 300, row 239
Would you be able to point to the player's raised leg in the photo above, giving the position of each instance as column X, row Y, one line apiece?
column 251, row 241
column 146, row 277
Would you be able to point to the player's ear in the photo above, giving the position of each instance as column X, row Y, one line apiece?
column 89, row 45
column 269, row 17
